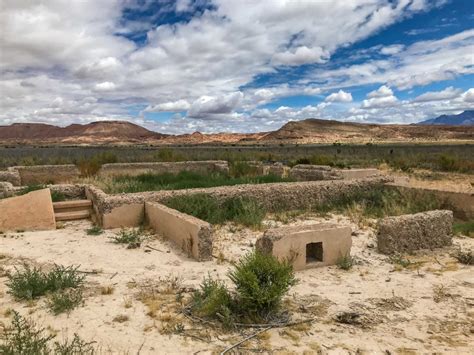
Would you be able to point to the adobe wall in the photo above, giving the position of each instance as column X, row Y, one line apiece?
column 32, row 211
column 133, row 169
column 461, row 203
column 189, row 233
column 273, row 196
column 47, row 174
column 407, row 233
column 303, row 172
column 290, row 243
column 357, row 173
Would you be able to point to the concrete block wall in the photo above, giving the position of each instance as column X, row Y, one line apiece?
column 189, row 233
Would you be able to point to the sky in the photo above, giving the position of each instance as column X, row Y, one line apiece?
column 234, row 65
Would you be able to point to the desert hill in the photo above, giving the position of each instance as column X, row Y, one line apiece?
column 95, row 132
column 305, row 131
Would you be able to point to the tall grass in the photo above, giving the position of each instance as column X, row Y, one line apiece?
column 245, row 211
column 182, row 180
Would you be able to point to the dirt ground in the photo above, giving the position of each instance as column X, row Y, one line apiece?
column 455, row 182
column 425, row 307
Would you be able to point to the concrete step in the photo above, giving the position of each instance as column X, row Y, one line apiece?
column 84, row 204
column 70, row 216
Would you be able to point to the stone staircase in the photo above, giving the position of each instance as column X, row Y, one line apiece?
column 72, row 210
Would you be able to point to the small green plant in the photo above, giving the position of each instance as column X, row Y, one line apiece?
column 76, row 346
column 94, row 230
column 133, row 238
column 65, row 300
column 23, row 337
column 464, row 256
column 57, row 196
column 213, row 299
column 345, row 262
column 398, row 259
column 31, row 283
column 261, row 281
column 242, row 210
column 464, row 228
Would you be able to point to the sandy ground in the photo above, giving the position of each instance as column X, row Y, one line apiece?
column 435, row 180
column 424, row 308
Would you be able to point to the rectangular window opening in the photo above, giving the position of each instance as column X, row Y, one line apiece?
column 314, row 252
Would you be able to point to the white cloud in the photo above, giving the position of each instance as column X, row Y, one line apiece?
column 105, row 86
column 208, row 106
column 394, row 49
column 301, row 55
column 173, row 106
column 382, row 91
column 448, row 93
column 468, row 96
column 340, row 96
column 382, row 97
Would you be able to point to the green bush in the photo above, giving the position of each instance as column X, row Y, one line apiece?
column 31, row 283
column 91, row 166
column 261, row 281
column 65, row 300
column 24, row 337
column 345, row 262
column 464, row 228
column 242, row 168
column 246, row 211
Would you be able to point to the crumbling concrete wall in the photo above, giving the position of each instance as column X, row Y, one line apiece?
column 133, row 169
column 70, row 191
column 191, row 234
column 6, row 189
column 11, row 175
column 407, row 233
column 461, row 203
column 307, row 246
column 47, row 174
column 303, row 172
column 32, row 211
column 357, row 173
column 273, row 196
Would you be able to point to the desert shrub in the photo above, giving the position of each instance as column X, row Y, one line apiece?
column 212, row 299
column 464, row 256
column 246, row 211
column 167, row 154
column 381, row 201
column 94, row 230
column 242, row 168
column 260, row 282
column 464, row 228
column 24, row 337
column 56, row 196
column 65, row 300
column 452, row 163
column 132, row 237
column 31, row 283
column 90, row 166
column 76, row 346
column 345, row 262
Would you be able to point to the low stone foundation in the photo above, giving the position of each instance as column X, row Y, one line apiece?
column 11, row 175
column 407, row 233
column 47, row 174
column 304, row 172
column 357, row 173
column 307, row 246
column 6, row 189
column 191, row 234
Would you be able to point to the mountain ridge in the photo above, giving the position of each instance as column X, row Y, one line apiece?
column 465, row 118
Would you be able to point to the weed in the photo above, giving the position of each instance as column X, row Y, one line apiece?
column 345, row 262
column 76, row 346
column 242, row 210
column 94, row 230
column 31, row 283
column 464, row 257
column 65, row 300
column 23, row 337
column 212, row 299
column 464, row 228
column 400, row 260
column 133, row 238
column 57, row 196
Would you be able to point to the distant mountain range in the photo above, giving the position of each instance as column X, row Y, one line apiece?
column 302, row 132
column 465, row 118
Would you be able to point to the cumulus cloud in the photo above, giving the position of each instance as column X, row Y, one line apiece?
column 468, row 96
column 394, row 49
column 446, row 94
column 340, row 96
column 301, row 55
column 382, row 91
column 208, row 106
column 382, row 97
column 173, row 106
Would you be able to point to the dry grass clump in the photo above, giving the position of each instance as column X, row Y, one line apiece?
column 464, row 256
column 106, row 290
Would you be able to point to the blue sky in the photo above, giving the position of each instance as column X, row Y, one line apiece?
column 223, row 65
